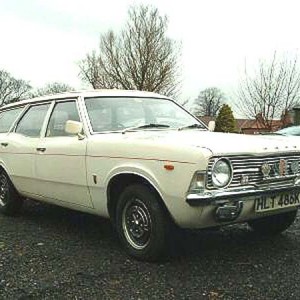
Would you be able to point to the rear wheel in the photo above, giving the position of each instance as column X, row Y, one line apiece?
column 142, row 223
column 275, row 224
column 10, row 201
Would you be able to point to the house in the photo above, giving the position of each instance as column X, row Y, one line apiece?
column 253, row 126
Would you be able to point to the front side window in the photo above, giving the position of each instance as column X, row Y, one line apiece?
column 63, row 112
column 32, row 122
column 8, row 117
column 113, row 114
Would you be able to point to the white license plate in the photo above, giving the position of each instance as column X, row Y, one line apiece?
column 266, row 203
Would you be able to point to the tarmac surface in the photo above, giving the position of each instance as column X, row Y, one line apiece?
column 53, row 253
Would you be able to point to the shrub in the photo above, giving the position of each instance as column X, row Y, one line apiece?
column 225, row 121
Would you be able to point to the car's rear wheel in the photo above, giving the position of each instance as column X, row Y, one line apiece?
column 142, row 223
column 10, row 201
column 275, row 224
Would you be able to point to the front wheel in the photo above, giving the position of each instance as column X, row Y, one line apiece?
column 275, row 224
column 142, row 223
column 10, row 201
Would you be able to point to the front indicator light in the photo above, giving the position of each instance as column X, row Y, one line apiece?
column 198, row 183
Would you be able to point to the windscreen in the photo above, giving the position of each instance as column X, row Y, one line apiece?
column 113, row 114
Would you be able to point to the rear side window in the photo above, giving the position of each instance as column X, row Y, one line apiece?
column 32, row 122
column 8, row 117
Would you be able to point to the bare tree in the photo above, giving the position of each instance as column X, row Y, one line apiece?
column 184, row 102
column 52, row 88
column 140, row 57
column 209, row 102
column 12, row 89
column 274, row 89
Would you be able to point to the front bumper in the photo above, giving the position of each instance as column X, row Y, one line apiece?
column 220, row 197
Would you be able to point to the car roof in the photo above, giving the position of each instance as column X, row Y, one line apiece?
column 292, row 130
column 87, row 93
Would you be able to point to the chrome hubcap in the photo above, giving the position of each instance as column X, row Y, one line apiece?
column 136, row 223
column 3, row 190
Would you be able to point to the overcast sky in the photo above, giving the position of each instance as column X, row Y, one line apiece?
column 41, row 40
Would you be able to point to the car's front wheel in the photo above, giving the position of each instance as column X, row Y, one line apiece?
column 142, row 223
column 274, row 224
column 10, row 200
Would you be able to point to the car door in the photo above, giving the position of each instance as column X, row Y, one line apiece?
column 19, row 148
column 7, row 119
column 60, row 164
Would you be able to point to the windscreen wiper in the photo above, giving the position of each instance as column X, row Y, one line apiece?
column 196, row 125
column 145, row 126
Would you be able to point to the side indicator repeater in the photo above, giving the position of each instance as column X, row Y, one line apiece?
column 169, row 167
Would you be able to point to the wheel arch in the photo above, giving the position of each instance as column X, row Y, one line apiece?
column 3, row 168
column 120, row 181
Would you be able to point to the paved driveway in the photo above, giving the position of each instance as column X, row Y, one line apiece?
column 53, row 253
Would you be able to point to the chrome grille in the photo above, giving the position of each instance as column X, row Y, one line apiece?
column 251, row 166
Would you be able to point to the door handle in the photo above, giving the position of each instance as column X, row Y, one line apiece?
column 41, row 149
column 3, row 144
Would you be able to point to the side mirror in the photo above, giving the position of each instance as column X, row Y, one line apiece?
column 73, row 127
column 211, row 125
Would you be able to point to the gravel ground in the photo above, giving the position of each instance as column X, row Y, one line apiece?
column 53, row 253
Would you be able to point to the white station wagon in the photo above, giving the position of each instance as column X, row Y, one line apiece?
column 146, row 163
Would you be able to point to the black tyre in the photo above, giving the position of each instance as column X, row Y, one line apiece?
column 10, row 201
column 142, row 223
column 275, row 224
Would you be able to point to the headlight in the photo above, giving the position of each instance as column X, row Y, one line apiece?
column 221, row 173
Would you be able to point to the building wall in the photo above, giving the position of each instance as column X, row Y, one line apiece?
column 296, row 116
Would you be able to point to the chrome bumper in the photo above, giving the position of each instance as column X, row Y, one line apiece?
column 220, row 197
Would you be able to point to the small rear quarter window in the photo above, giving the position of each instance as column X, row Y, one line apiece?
column 8, row 117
